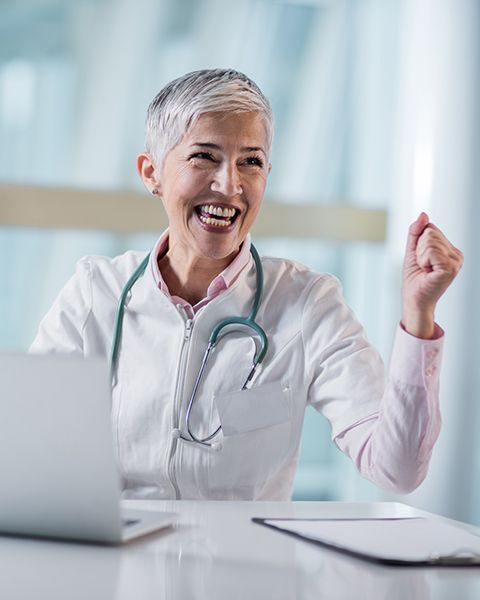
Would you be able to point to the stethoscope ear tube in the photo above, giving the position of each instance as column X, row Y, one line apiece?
column 117, row 328
column 259, row 284
column 248, row 321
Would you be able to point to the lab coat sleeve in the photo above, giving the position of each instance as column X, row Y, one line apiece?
column 345, row 373
column 394, row 448
column 387, row 426
column 62, row 328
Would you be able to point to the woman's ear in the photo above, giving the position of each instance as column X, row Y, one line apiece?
column 148, row 173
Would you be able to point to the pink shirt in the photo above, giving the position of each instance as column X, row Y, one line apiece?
column 221, row 282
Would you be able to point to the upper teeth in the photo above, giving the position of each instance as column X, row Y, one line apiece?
column 218, row 210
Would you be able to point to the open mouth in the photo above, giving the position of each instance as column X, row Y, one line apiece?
column 217, row 216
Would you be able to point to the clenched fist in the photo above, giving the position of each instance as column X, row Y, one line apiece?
column 431, row 264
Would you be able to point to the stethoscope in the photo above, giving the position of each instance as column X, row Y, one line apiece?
column 248, row 322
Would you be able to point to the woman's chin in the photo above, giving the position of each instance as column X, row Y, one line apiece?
column 212, row 243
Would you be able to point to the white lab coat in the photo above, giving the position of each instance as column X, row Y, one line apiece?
column 317, row 355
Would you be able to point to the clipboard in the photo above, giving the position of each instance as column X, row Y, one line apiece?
column 403, row 541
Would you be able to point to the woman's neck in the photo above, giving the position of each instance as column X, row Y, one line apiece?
column 188, row 277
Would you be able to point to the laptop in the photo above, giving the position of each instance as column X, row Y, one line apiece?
column 58, row 471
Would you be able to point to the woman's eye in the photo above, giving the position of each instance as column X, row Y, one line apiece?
column 202, row 155
column 254, row 160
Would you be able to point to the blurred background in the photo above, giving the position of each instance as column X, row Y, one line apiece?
column 376, row 106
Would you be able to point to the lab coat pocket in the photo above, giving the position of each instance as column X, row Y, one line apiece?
column 255, row 408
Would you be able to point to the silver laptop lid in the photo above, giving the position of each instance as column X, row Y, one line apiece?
column 57, row 465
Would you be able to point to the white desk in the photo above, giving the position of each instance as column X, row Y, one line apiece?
column 215, row 552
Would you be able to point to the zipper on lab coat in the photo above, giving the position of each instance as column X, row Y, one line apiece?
column 178, row 397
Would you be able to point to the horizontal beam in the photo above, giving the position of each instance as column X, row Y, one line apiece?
column 130, row 212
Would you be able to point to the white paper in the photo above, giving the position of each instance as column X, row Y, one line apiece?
column 411, row 539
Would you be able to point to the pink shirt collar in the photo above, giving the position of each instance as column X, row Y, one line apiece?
column 221, row 282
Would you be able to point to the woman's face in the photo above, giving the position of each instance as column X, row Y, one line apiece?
column 212, row 183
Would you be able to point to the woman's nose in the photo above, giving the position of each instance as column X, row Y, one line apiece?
column 227, row 181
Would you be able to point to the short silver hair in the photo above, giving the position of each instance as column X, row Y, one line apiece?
column 181, row 102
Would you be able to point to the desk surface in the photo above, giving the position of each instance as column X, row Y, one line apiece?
column 215, row 552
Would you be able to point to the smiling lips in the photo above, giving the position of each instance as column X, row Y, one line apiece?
column 216, row 216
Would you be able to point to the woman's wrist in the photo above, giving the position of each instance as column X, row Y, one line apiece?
column 419, row 323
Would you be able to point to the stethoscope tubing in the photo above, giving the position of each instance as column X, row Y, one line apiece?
column 248, row 322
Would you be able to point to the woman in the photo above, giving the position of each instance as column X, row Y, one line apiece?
column 235, row 431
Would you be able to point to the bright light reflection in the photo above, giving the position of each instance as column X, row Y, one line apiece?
column 423, row 171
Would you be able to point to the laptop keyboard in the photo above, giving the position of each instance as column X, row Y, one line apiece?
column 128, row 522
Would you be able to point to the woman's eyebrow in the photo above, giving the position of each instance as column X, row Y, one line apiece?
column 206, row 145
column 217, row 147
column 253, row 149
